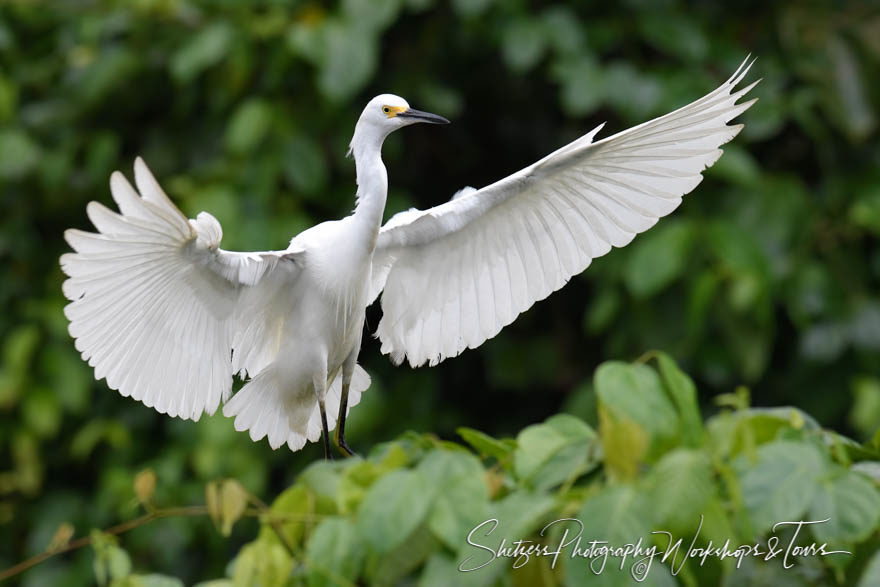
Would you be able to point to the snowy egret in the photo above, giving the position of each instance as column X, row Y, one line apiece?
column 169, row 318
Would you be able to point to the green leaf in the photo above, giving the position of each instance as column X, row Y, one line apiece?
column 87, row 438
column 486, row 445
column 870, row 469
column 864, row 415
column 547, row 454
column 462, row 499
column 521, row 512
column 781, row 484
column 864, row 326
column 375, row 15
column 853, row 106
column 563, row 30
column 658, row 258
column 357, row 478
column 680, row 485
column 678, row 34
column 19, row 154
column 294, row 502
column 603, row 308
column 441, row 571
column 851, row 504
column 102, row 78
column 636, row 392
column 744, row 430
column 19, row 347
column 205, row 49
column 470, row 8
column 42, row 412
column 583, row 85
column 154, row 580
column 387, row 569
column 618, row 514
column 864, row 211
column 684, row 395
column 395, row 505
column 871, row 575
column 335, row 551
column 8, row 99
column 305, row 167
column 111, row 562
column 523, row 44
column 634, row 93
column 263, row 562
column 249, row 125
column 322, row 478
column 736, row 166
column 348, row 60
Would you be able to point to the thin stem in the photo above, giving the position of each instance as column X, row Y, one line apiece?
column 197, row 510
column 275, row 521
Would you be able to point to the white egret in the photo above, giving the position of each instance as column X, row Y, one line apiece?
column 168, row 317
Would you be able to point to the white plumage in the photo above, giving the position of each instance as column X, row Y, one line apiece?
column 168, row 318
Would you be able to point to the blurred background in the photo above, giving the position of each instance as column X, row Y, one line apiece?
column 766, row 277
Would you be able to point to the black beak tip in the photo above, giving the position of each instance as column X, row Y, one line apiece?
column 420, row 116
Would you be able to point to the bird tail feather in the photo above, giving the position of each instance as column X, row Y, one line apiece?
column 267, row 407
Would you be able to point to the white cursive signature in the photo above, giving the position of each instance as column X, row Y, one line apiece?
column 640, row 553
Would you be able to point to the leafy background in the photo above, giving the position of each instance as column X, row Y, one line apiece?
column 766, row 278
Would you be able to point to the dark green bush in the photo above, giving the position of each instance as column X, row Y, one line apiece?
column 653, row 474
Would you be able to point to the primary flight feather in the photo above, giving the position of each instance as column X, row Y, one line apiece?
column 169, row 318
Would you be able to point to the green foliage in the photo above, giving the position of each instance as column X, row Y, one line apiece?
column 767, row 275
column 424, row 509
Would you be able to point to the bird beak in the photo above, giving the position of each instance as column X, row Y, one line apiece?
column 419, row 116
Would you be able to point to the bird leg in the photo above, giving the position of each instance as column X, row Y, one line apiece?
column 347, row 373
column 325, row 434
column 340, row 421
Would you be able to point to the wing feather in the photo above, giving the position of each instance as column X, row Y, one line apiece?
column 155, row 303
column 455, row 275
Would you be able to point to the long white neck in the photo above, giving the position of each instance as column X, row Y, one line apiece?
column 372, row 182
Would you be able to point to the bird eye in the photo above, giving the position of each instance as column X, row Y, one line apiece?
column 386, row 109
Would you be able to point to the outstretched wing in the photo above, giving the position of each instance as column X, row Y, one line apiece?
column 453, row 276
column 155, row 301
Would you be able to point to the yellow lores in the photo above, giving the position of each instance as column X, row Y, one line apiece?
column 392, row 111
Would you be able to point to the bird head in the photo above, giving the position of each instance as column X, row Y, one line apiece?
column 386, row 113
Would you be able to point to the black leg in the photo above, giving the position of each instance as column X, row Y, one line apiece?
column 325, row 434
column 340, row 422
